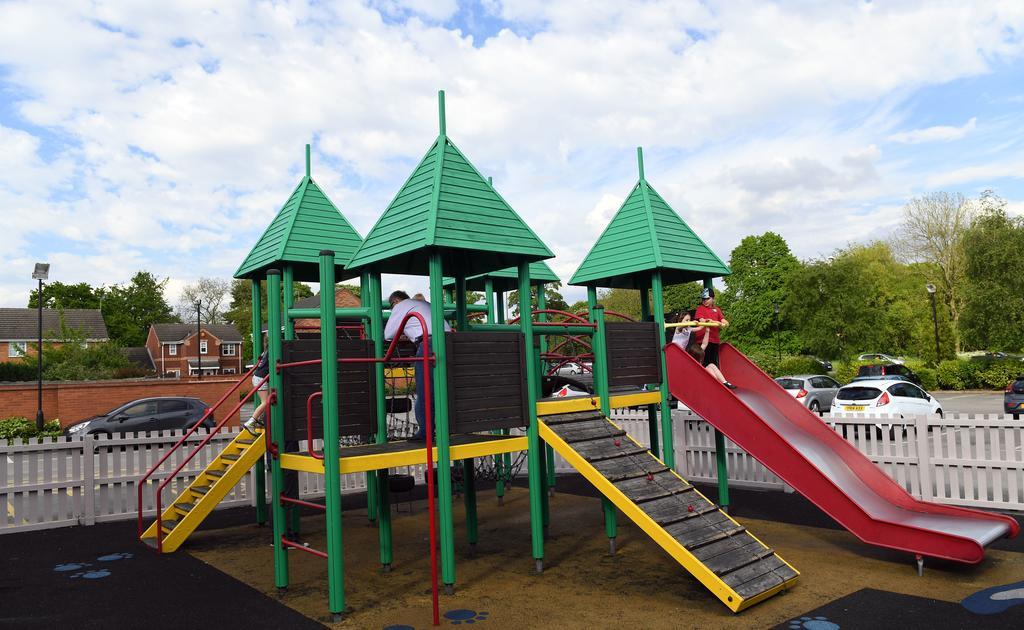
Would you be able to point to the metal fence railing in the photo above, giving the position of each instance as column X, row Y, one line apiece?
column 975, row 461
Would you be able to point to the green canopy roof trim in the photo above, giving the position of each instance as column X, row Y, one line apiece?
column 647, row 234
column 307, row 223
column 508, row 279
column 446, row 204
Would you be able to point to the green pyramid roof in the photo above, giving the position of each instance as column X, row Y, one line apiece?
column 644, row 235
column 508, row 279
column 447, row 206
column 307, row 224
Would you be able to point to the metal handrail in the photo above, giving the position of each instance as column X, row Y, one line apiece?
column 142, row 482
column 199, row 447
column 309, row 424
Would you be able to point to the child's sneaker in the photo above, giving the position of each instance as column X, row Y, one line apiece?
column 252, row 425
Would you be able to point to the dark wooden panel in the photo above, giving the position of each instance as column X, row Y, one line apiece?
column 486, row 381
column 634, row 353
column 357, row 407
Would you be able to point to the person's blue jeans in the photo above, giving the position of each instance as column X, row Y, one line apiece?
column 420, row 406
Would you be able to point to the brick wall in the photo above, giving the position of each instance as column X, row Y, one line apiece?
column 74, row 401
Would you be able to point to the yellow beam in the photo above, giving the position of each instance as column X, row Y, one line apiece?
column 412, row 457
column 589, row 403
column 679, row 553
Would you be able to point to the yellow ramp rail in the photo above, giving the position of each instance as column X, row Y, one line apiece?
column 734, row 565
column 208, row 489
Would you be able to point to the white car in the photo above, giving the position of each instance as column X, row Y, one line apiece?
column 885, row 397
column 573, row 368
column 880, row 358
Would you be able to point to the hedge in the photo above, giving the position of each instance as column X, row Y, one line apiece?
column 23, row 429
column 18, row 371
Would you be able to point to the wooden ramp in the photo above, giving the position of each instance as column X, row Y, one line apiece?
column 734, row 565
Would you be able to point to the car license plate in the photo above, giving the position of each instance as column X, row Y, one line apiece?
column 854, row 408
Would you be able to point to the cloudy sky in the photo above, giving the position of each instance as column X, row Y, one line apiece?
column 165, row 136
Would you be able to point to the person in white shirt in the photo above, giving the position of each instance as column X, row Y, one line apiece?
column 401, row 306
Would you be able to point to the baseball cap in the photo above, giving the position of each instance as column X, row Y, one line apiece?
column 707, row 293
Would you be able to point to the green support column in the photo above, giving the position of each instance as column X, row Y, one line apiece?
column 652, row 410
column 371, row 298
column 288, row 288
column 499, row 306
column 468, row 469
column 499, row 484
column 506, row 458
column 533, row 454
column 440, row 404
column 469, row 484
column 373, row 488
column 260, row 469
column 332, row 467
column 601, row 389
column 720, row 455
column 668, row 455
column 276, row 425
column 549, row 452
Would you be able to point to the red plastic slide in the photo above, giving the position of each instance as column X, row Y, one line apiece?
column 795, row 444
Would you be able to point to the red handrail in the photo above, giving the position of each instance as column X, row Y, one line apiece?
column 140, row 484
column 309, row 424
column 199, row 447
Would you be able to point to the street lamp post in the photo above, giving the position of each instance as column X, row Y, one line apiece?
column 41, row 272
column 199, row 333
column 935, row 319
column 778, row 344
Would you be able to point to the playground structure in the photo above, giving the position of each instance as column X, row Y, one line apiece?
column 488, row 384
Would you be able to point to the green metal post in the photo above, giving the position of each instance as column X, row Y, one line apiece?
column 260, row 471
column 371, row 297
column 601, row 389
column 499, row 305
column 499, row 484
column 373, row 488
column 288, row 288
column 276, row 425
column 652, row 410
column 668, row 455
column 533, row 453
column 469, row 485
column 720, row 455
column 549, row 451
column 440, row 404
column 332, row 467
column 506, row 458
column 468, row 469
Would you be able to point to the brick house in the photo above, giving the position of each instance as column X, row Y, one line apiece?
column 343, row 298
column 177, row 351
column 19, row 328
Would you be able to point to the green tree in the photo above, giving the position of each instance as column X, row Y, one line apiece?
column 61, row 295
column 239, row 313
column 68, row 358
column 993, row 316
column 553, row 297
column 682, row 296
column 763, row 269
column 129, row 310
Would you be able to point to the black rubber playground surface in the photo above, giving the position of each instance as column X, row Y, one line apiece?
column 102, row 577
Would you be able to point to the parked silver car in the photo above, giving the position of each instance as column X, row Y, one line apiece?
column 813, row 390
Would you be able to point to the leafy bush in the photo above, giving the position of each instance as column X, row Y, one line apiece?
column 846, row 371
column 799, row 365
column 997, row 375
column 17, row 428
column 767, row 361
column 929, row 376
column 17, row 371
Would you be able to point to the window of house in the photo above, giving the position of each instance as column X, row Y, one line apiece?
column 172, row 349
column 17, row 348
column 228, row 370
column 202, row 347
column 174, row 373
column 228, row 349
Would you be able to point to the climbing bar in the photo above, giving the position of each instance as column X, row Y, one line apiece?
column 315, row 506
column 301, row 547
column 314, row 313
column 309, row 424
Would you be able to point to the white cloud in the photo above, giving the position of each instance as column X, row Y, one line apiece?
column 940, row 133
column 185, row 122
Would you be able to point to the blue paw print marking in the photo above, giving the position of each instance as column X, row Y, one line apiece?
column 460, row 616
column 995, row 600
column 115, row 556
column 70, row 566
column 813, row 623
column 92, row 575
column 399, row 627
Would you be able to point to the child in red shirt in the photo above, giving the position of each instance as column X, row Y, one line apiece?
column 708, row 312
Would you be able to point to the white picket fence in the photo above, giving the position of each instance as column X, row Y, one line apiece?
column 961, row 460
